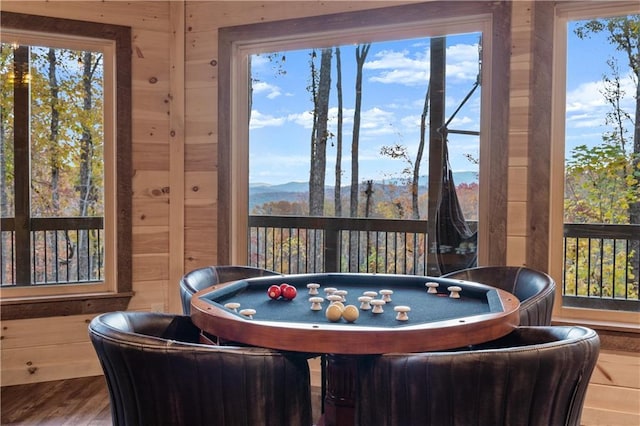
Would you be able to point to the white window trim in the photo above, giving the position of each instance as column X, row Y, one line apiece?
column 239, row 134
column 108, row 50
column 565, row 12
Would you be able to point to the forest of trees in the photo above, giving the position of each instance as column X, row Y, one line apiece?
column 51, row 157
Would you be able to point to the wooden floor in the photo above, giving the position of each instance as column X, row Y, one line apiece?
column 83, row 401
column 73, row 402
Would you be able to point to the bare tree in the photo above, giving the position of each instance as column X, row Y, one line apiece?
column 361, row 55
column 320, row 136
column 337, row 191
column 415, row 182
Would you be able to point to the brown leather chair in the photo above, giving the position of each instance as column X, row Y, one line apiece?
column 534, row 289
column 157, row 374
column 533, row 376
column 201, row 278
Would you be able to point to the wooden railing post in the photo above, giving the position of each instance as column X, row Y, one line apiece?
column 331, row 260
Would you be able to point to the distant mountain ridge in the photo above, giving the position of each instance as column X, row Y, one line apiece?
column 261, row 193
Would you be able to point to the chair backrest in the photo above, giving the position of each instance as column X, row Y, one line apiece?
column 534, row 289
column 157, row 374
column 201, row 278
column 534, row 376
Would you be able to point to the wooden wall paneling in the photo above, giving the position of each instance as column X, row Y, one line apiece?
column 201, row 48
column 150, row 267
column 152, row 15
column 539, row 155
column 57, row 348
column 613, row 369
column 613, row 399
column 150, row 156
column 201, row 157
column 24, row 333
column 150, row 130
column 200, row 247
column 150, row 240
column 518, row 139
column 613, row 396
column 517, row 250
column 203, row 102
column 604, row 417
column 520, row 68
column 517, row 183
column 150, row 103
column 150, row 184
column 494, row 164
column 177, row 158
column 201, row 185
column 49, row 362
column 517, row 225
column 202, row 72
column 201, row 130
column 200, row 213
column 201, row 15
column 151, row 295
column 150, row 57
column 315, row 372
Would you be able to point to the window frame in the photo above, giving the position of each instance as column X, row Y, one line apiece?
column 115, row 291
column 235, row 43
column 564, row 12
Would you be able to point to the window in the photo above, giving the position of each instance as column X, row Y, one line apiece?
column 597, row 137
column 64, row 166
column 241, row 48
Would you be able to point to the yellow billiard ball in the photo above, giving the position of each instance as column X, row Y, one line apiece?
column 333, row 313
column 350, row 313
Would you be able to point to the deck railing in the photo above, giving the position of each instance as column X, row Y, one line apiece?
column 601, row 266
column 54, row 251
column 294, row 244
column 601, row 262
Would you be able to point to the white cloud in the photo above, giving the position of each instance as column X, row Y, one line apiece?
column 462, row 62
column 399, row 67
column 259, row 120
column 396, row 67
column 304, row 119
column 269, row 90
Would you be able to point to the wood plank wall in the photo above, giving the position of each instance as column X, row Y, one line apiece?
column 174, row 200
column 45, row 349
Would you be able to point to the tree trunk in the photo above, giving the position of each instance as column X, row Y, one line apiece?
column 415, row 183
column 54, row 169
column 313, row 87
column 86, row 181
column 319, row 148
column 361, row 56
column 337, row 197
column 54, row 161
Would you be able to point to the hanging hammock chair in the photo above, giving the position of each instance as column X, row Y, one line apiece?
column 456, row 243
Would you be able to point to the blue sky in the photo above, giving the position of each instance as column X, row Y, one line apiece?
column 394, row 85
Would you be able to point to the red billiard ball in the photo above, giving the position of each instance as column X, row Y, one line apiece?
column 282, row 287
column 274, row 292
column 289, row 292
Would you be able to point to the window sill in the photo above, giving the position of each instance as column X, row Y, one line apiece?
column 613, row 336
column 64, row 305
